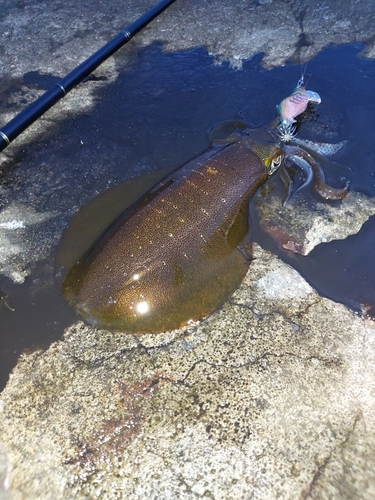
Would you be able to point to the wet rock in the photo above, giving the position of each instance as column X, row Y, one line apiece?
column 304, row 222
column 18, row 244
column 4, row 492
column 271, row 397
column 284, row 31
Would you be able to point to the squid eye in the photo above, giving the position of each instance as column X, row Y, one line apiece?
column 275, row 164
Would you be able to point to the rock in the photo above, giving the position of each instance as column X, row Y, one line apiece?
column 272, row 27
column 304, row 223
column 271, row 397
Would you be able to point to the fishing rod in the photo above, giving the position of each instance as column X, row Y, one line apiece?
column 37, row 108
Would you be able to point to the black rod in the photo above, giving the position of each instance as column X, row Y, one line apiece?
column 37, row 108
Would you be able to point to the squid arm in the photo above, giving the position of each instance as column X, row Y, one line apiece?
column 313, row 170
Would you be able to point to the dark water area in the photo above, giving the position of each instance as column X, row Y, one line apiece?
column 344, row 270
column 156, row 115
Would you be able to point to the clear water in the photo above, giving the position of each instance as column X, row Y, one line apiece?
column 155, row 115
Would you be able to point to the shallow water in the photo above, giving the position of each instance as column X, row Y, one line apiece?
column 156, row 114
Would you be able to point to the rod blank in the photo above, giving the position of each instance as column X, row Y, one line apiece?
column 37, row 108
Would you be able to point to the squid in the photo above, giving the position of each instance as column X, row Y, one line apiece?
column 169, row 250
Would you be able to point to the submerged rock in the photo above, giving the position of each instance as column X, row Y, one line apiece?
column 303, row 223
column 273, row 396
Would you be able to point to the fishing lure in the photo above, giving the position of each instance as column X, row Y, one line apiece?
column 293, row 106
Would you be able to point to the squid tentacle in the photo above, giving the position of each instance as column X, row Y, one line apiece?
column 305, row 161
column 322, row 149
column 305, row 166
column 288, row 183
column 287, row 180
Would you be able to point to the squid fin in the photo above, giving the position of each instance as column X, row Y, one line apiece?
column 224, row 129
